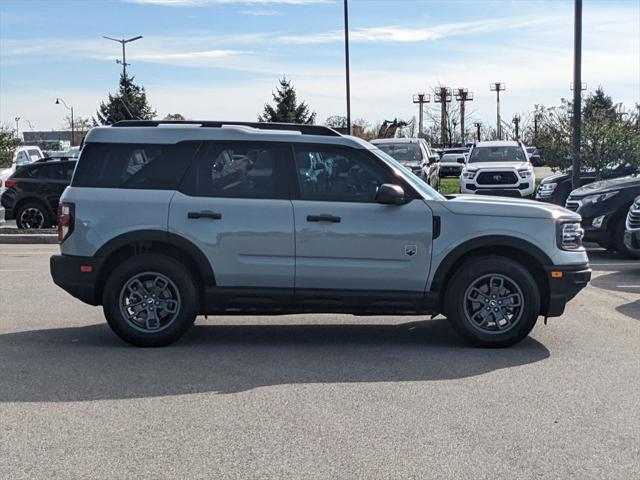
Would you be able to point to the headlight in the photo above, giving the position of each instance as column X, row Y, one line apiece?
column 601, row 197
column 569, row 235
column 548, row 187
column 468, row 175
column 525, row 173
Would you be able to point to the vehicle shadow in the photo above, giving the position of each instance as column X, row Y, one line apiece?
column 90, row 363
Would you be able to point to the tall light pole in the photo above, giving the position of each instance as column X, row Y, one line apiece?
column 73, row 131
column 442, row 95
column 463, row 95
column 477, row 125
column 421, row 99
column 17, row 119
column 498, row 87
column 123, row 42
column 346, row 61
column 577, row 92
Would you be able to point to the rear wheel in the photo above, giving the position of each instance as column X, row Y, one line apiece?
column 150, row 300
column 32, row 215
column 492, row 301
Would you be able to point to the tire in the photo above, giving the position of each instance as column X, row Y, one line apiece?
column 617, row 239
column 132, row 288
column 32, row 215
column 479, row 272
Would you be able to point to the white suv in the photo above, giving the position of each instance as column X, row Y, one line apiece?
column 498, row 168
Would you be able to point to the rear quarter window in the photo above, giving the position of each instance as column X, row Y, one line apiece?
column 138, row 166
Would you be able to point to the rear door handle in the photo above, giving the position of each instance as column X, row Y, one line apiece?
column 205, row 214
column 323, row 218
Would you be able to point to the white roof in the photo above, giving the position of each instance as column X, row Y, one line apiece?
column 173, row 133
column 378, row 141
column 498, row 143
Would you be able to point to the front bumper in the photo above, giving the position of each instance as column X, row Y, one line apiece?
column 632, row 241
column 67, row 274
column 564, row 283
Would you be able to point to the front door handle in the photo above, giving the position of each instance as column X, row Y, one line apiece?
column 323, row 218
column 205, row 214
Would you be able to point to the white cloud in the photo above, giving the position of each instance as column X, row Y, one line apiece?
column 259, row 13
column 199, row 3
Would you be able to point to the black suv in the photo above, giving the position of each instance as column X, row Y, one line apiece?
column 557, row 187
column 34, row 190
column 604, row 206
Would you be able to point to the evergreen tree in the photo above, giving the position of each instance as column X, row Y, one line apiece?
column 286, row 108
column 130, row 103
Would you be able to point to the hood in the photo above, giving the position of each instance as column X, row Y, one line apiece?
column 497, row 165
column 605, row 185
column 506, row 207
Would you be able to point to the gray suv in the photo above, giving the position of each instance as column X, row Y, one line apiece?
column 164, row 221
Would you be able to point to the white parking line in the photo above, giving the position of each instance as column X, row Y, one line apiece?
column 32, row 270
column 627, row 286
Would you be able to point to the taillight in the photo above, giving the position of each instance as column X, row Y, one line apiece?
column 66, row 220
column 10, row 183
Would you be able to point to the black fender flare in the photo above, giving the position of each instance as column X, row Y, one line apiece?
column 161, row 236
column 485, row 242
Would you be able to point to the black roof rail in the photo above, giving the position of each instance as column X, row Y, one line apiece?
column 295, row 127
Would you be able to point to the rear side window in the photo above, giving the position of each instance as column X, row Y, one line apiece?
column 140, row 166
column 239, row 170
column 58, row 171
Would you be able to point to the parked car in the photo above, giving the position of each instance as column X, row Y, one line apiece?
column 33, row 192
column 451, row 164
column 162, row 224
column 534, row 156
column 556, row 188
column 604, row 206
column 632, row 230
column 21, row 156
column 415, row 154
column 498, row 168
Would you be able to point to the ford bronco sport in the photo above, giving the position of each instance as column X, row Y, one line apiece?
column 164, row 221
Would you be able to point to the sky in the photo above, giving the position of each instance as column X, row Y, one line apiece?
column 221, row 59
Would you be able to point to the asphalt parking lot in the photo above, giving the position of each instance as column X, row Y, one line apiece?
column 316, row 396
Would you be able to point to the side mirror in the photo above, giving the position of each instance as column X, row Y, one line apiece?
column 389, row 194
column 434, row 158
column 461, row 160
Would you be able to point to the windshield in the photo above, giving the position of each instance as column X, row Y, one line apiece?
column 497, row 154
column 451, row 157
column 425, row 190
column 402, row 152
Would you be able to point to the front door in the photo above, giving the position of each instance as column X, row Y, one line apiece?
column 347, row 241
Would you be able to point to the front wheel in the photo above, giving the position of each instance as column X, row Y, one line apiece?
column 150, row 300
column 492, row 301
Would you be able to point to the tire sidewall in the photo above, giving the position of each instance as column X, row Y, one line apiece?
column 470, row 272
column 45, row 214
column 167, row 266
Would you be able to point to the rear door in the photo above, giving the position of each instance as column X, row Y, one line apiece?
column 347, row 241
column 234, row 205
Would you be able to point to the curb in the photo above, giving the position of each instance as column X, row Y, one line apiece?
column 46, row 238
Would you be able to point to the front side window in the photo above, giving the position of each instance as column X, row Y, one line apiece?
column 238, row 170
column 337, row 174
column 497, row 154
column 140, row 166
